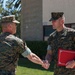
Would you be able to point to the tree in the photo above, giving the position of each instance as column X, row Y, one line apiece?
column 13, row 7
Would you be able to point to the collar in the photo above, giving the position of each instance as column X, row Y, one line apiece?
column 62, row 32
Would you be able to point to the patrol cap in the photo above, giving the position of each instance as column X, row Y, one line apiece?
column 10, row 18
column 56, row 15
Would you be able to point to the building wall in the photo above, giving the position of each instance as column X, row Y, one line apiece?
column 36, row 13
column 66, row 6
column 31, row 20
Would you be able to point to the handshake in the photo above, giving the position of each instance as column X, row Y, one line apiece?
column 45, row 64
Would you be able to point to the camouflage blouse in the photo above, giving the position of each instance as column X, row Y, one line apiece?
column 64, row 39
column 10, row 48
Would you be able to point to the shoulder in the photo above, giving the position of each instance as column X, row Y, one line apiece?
column 71, row 31
column 13, row 38
column 16, row 40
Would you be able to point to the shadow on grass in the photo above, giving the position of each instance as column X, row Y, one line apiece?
column 26, row 63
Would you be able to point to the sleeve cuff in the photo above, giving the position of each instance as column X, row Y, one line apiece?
column 49, row 47
column 26, row 52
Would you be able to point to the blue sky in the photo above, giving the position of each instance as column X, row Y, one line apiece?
column 4, row 3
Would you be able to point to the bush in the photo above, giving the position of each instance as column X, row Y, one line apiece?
column 38, row 47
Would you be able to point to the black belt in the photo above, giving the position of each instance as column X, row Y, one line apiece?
column 4, row 72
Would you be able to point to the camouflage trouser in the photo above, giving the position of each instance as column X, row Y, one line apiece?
column 2, row 72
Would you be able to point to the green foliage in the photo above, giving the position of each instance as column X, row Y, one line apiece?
column 1, row 9
column 0, row 29
column 13, row 9
column 18, row 31
column 38, row 47
column 10, row 7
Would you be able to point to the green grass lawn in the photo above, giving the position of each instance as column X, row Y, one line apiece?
column 25, row 67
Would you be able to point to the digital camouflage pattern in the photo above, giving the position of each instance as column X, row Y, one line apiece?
column 65, row 40
column 2, row 72
column 10, row 48
column 9, row 19
column 56, row 15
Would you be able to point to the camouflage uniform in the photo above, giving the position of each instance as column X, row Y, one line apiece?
column 65, row 40
column 10, row 48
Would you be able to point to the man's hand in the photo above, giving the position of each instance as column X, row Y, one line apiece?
column 70, row 64
column 34, row 58
column 45, row 64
